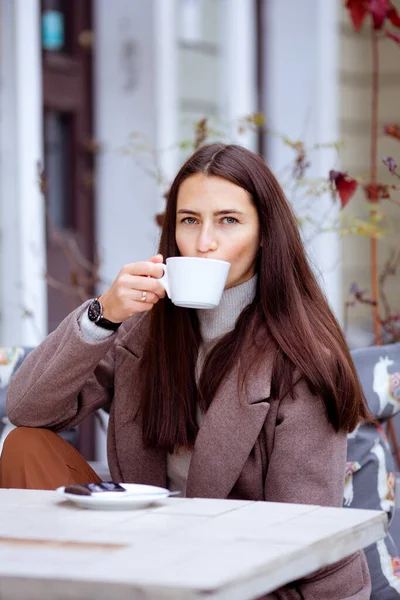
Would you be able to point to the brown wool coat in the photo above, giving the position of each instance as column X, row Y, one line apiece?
column 247, row 448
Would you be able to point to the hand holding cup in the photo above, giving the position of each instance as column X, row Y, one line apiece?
column 135, row 289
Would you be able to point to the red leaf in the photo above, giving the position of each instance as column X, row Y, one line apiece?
column 394, row 16
column 392, row 130
column 393, row 36
column 379, row 10
column 358, row 12
column 344, row 185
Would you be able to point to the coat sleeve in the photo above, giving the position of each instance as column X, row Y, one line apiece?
column 307, row 466
column 63, row 380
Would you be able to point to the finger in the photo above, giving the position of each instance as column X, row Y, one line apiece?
column 157, row 259
column 146, row 284
column 146, row 297
column 147, row 269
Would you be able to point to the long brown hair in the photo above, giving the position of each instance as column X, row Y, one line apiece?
column 289, row 308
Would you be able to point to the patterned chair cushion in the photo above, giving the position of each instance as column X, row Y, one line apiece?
column 370, row 474
column 378, row 369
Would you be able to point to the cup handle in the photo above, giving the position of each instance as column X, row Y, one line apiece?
column 164, row 280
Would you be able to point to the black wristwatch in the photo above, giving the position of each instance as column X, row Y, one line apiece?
column 95, row 314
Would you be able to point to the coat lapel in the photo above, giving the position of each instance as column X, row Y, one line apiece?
column 228, row 433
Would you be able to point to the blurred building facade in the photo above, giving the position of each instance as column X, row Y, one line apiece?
column 88, row 86
column 84, row 83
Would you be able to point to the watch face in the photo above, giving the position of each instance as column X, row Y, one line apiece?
column 94, row 311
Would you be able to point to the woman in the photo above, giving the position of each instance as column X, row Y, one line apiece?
column 251, row 400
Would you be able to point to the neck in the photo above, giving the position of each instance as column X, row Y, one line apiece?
column 216, row 322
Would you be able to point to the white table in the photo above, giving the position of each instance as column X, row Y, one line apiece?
column 183, row 548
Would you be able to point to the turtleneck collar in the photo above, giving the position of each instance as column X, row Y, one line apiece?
column 218, row 321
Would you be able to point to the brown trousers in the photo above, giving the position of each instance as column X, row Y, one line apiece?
column 39, row 459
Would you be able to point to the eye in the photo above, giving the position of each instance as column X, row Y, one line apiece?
column 230, row 220
column 189, row 220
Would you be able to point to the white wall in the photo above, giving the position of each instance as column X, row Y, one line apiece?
column 200, row 65
column 238, row 76
column 216, row 67
column 166, row 107
column 301, row 57
column 124, row 86
column 22, row 256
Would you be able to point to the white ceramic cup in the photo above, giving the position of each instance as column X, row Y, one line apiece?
column 194, row 282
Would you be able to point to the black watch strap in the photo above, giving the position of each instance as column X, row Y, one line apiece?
column 95, row 314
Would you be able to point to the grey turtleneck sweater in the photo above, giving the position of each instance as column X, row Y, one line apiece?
column 214, row 324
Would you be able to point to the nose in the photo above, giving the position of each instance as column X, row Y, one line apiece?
column 206, row 241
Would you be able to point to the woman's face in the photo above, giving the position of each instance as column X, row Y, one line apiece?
column 217, row 219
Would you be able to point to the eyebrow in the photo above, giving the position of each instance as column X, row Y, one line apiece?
column 218, row 213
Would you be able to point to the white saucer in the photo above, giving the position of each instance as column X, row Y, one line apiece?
column 136, row 496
